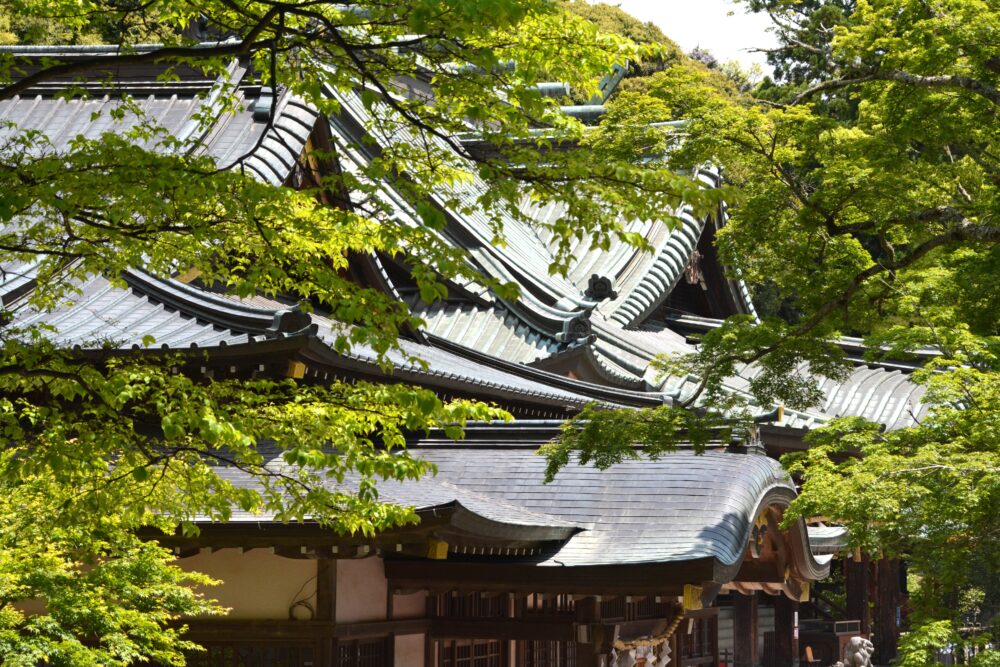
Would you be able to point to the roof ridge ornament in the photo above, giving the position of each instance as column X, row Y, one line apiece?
column 575, row 328
column 290, row 321
column 600, row 288
column 264, row 104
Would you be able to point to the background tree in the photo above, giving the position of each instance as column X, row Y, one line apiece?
column 865, row 192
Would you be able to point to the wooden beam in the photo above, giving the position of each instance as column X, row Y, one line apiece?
column 297, row 632
column 294, row 536
column 760, row 571
column 408, row 626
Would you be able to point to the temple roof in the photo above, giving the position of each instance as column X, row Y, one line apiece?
column 271, row 152
column 682, row 506
column 679, row 507
column 611, row 334
column 159, row 314
column 559, row 323
column 102, row 316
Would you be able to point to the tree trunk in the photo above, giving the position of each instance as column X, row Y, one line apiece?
column 886, row 637
column 856, row 582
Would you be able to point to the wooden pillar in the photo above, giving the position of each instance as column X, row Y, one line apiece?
column 856, row 582
column 588, row 614
column 744, row 630
column 886, row 635
column 326, row 589
column 326, row 604
column 786, row 642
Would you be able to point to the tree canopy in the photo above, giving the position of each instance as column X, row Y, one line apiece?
column 99, row 445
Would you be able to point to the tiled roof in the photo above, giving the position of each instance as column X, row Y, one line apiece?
column 179, row 316
column 490, row 329
column 681, row 506
column 880, row 395
column 101, row 315
column 230, row 136
column 483, row 376
column 881, row 392
column 268, row 153
column 468, row 510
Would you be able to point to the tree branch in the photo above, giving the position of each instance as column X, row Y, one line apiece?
column 965, row 231
column 953, row 81
column 245, row 47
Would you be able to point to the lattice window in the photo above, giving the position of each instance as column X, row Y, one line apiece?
column 613, row 609
column 635, row 609
column 471, row 653
column 469, row 605
column 648, row 607
column 364, row 653
column 253, row 655
column 699, row 646
column 547, row 603
column 546, row 654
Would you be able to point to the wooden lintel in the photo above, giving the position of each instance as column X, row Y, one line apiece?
column 303, row 632
column 409, row 626
column 208, row 630
column 303, row 540
column 504, row 629
column 485, row 576
column 760, row 571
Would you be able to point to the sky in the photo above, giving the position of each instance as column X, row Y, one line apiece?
column 706, row 23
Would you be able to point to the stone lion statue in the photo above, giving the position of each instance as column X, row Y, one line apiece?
column 857, row 653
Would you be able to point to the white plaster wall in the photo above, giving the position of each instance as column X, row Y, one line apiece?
column 413, row 605
column 255, row 584
column 361, row 590
column 409, row 651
